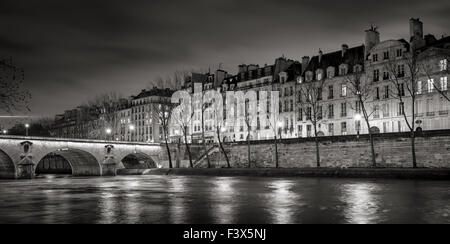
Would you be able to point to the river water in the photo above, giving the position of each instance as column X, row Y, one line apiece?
column 228, row 200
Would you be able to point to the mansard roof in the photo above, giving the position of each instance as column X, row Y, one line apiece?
column 352, row 56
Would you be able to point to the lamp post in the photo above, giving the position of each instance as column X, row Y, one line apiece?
column 108, row 133
column 131, row 128
column 358, row 124
column 5, row 132
column 26, row 128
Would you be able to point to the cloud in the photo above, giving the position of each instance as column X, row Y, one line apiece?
column 72, row 49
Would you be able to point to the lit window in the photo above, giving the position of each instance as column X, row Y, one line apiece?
column 419, row 87
column 443, row 65
column 319, row 76
column 344, row 90
column 444, row 85
column 430, row 86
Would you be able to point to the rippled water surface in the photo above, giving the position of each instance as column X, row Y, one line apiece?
column 178, row 199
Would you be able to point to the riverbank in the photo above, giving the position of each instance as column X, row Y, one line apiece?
column 389, row 173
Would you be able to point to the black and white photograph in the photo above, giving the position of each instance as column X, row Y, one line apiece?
column 209, row 115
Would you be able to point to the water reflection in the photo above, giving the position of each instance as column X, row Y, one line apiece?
column 362, row 203
column 177, row 204
column 222, row 195
column 282, row 201
column 164, row 199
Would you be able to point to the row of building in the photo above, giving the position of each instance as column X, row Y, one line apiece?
column 374, row 62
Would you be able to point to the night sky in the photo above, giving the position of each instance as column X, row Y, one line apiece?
column 72, row 50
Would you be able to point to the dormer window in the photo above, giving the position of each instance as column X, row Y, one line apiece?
column 343, row 69
column 357, row 68
column 319, row 74
column 309, row 76
column 330, row 72
column 399, row 53
column 386, row 55
column 283, row 77
column 443, row 66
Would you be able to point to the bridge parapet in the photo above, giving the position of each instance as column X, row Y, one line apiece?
column 19, row 156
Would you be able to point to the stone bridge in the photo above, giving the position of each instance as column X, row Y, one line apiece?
column 19, row 156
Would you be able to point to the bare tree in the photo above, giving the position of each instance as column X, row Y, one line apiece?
column 311, row 97
column 219, row 125
column 182, row 117
column 273, row 122
column 163, row 113
column 107, row 105
column 404, row 76
column 12, row 95
column 361, row 89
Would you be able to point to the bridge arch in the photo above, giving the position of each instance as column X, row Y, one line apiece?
column 138, row 160
column 7, row 167
column 82, row 163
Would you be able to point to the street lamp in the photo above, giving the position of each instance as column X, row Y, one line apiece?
column 108, row 133
column 5, row 132
column 358, row 124
column 131, row 128
column 26, row 129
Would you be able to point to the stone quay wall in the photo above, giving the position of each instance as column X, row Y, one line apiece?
column 393, row 150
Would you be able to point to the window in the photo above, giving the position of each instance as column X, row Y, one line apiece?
column 401, row 109
column 385, row 75
column 357, row 68
column 430, row 85
column 308, row 113
column 283, row 79
column 331, row 111
column 300, row 114
column 419, row 87
column 377, row 93
column 319, row 75
column 330, row 92
column 319, row 113
column 385, row 109
column 376, row 112
column 443, row 66
column 444, row 85
column 343, row 109
column 319, row 94
column 331, row 129
column 308, row 130
column 330, row 74
column 343, row 90
column 401, row 90
column 375, row 58
column 401, row 70
column 342, row 70
column 292, row 91
column 385, row 127
column 399, row 53
column 344, row 128
column 386, row 55
column 386, row 92
column 286, row 92
column 376, row 75
column 292, row 105
column 300, row 131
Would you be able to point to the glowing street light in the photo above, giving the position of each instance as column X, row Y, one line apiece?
column 131, row 128
column 5, row 132
column 223, row 129
column 108, row 131
column 26, row 128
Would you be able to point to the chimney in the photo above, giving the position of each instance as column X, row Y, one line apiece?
column 243, row 68
column 372, row 39
column 415, row 29
column 320, row 56
column 305, row 62
column 344, row 49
